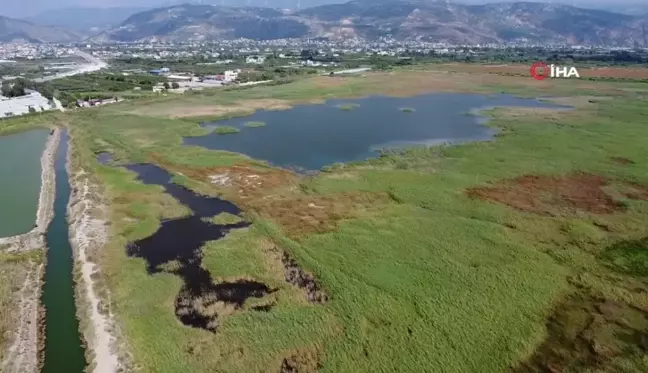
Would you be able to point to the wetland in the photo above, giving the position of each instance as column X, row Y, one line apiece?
column 313, row 136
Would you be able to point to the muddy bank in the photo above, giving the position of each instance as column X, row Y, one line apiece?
column 175, row 248
column 88, row 234
column 23, row 354
column 296, row 276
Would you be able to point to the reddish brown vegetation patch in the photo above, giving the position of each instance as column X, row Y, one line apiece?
column 301, row 215
column 622, row 160
column 584, row 332
column 548, row 195
column 246, row 180
column 274, row 194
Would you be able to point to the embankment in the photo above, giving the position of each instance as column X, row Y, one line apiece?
column 88, row 234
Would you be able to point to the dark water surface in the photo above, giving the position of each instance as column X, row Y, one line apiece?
column 63, row 349
column 312, row 136
column 180, row 240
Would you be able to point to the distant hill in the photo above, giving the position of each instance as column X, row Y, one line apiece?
column 85, row 19
column 19, row 30
column 430, row 20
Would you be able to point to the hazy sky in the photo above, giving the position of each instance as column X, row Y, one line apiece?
column 24, row 8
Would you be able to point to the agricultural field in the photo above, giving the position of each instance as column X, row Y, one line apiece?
column 526, row 253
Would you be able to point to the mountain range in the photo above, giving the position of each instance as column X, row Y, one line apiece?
column 19, row 30
column 429, row 20
column 426, row 20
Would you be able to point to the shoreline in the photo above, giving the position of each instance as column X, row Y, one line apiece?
column 88, row 234
column 23, row 355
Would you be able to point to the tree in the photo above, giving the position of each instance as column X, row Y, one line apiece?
column 175, row 85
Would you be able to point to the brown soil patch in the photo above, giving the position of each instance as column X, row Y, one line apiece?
column 306, row 360
column 303, row 215
column 549, row 195
column 622, row 160
column 637, row 192
column 188, row 109
column 584, row 332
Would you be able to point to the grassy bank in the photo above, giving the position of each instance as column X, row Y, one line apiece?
column 15, row 269
column 422, row 272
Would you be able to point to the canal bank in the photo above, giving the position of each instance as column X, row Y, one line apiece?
column 22, row 354
column 88, row 233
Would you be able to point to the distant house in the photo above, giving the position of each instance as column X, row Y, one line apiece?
column 97, row 102
column 231, row 75
column 162, row 71
column 255, row 59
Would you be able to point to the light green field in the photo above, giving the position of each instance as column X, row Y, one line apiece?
column 431, row 280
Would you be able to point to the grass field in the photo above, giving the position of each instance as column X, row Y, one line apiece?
column 431, row 261
column 14, row 269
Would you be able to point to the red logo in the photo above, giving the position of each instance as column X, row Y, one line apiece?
column 539, row 71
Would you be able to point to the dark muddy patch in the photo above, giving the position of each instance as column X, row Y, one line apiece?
column 622, row 160
column 552, row 195
column 176, row 248
column 296, row 276
column 104, row 158
column 629, row 257
column 301, row 361
column 585, row 333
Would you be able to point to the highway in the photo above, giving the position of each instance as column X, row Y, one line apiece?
column 94, row 64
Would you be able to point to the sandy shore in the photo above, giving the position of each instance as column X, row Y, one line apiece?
column 88, row 235
column 22, row 355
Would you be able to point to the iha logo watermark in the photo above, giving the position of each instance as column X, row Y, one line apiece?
column 541, row 71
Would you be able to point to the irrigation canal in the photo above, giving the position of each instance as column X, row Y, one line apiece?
column 63, row 347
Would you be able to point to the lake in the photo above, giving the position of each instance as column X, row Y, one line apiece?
column 20, row 180
column 312, row 136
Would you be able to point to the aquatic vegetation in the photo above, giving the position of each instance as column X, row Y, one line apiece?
column 348, row 107
column 226, row 130
column 254, row 124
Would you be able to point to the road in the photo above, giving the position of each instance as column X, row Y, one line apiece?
column 94, row 64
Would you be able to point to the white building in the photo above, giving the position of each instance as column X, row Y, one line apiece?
column 255, row 59
column 20, row 105
column 231, row 75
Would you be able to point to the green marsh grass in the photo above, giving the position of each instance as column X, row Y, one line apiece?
column 225, row 130
column 224, row 218
column 254, row 124
column 432, row 279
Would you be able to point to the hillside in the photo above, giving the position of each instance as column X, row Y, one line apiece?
column 430, row 20
column 19, row 30
column 84, row 19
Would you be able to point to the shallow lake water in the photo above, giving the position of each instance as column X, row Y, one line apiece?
column 312, row 136
column 20, row 180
